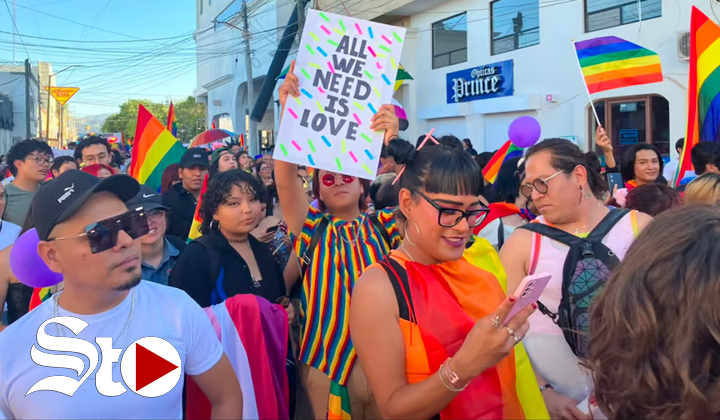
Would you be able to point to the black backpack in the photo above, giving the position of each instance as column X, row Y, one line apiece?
column 587, row 268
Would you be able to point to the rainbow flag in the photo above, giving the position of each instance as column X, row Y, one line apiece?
column 703, row 87
column 507, row 151
column 402, row 75
column 610, row 62
column 154, row 149
column 197, row 220
column 39, row 296
column 172, row 121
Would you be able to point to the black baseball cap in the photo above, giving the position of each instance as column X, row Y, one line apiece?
column 59, row 199
column 147, row 198
column 195, row 156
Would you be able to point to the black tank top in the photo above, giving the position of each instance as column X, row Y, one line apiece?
column 18, row 300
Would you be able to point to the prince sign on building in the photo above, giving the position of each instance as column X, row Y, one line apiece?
column 347, row 69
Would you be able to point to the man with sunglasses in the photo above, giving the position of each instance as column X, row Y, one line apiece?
column 29, row 162
column 88, row 235
column 159, row 251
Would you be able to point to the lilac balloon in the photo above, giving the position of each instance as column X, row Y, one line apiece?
column 27, row 265
column 524, row 132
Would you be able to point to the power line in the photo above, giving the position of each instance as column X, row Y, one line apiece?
column 12, row 17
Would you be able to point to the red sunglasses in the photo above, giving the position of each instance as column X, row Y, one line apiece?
column 329, row 179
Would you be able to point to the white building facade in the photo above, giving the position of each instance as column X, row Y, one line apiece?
column 13, row 98
column 222, row 74
column 529, row 44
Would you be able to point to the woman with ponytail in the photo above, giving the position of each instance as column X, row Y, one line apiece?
column 430, row 328
column 335, row 242
column 566, row 187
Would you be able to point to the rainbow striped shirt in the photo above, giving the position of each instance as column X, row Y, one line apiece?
column 347, row 248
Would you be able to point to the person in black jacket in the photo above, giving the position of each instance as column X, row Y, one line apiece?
column 182, row 198
column 227, row 260
column 159, row 251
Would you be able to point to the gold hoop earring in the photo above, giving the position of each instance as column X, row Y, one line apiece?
column 407, row 235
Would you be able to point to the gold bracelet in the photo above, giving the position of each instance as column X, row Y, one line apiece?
column 449, row 378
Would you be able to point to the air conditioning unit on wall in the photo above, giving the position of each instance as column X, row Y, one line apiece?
column 683, row 46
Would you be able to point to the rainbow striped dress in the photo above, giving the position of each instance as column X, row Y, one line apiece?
column 346, row 249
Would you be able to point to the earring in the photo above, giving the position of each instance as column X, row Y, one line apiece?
column 407, row 235
column 581, row 194
column 216, row 226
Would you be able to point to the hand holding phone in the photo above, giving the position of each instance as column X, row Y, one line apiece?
column 529, row 291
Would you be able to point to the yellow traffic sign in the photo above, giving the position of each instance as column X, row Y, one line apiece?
column 62, row 94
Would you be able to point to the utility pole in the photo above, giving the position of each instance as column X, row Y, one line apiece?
column 47, row 123
column 253, row 144
column 301, row 15
column 62, row 126
column 40, row 124
column 28, row 72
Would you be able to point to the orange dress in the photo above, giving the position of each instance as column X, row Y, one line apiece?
column 438, row 306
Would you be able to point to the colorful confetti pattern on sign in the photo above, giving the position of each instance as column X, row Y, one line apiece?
column 329, row 32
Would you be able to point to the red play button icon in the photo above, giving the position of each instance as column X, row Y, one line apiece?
column 150, row 367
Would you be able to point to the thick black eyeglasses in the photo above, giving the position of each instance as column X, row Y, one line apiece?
column 103, row 235
column 448, row 217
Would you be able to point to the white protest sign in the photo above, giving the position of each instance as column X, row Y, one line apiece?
column 347, row 68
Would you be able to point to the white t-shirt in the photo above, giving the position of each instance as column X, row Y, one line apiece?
column 670, row 169
column 160, row 311
column 9, row 232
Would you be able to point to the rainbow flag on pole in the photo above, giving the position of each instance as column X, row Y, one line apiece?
column 610, row 62
column 154, row 149
column 171, row 122
column 507, row 151
column 197, row 220
column 703, row 87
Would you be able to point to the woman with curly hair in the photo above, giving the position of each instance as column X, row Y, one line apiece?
column 655, row 331
column 227, row 260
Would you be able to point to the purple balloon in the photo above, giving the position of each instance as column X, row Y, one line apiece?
column 27, row 265
column 524, row 132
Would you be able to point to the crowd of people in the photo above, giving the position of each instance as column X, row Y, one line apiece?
column 396, row 293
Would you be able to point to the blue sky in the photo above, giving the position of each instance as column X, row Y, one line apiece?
column 124, row 65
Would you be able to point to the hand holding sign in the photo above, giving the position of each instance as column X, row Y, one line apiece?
column 345, row 72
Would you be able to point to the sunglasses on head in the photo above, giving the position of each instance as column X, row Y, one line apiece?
column 330, row 179
column 103, row 235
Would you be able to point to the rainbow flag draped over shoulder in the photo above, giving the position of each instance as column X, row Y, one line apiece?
column 610, row 62
column 197, row 220
column 172, row 123
column 507, row 151
column 703, row 87
column 154, row 149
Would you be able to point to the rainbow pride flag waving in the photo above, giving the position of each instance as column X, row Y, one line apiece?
column 507, row 151
column 197, row 220
column 610, row 62
column 172, row 121
column 155, row 148
column 703, row 87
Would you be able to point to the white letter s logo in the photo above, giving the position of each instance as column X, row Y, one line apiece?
column 63, row 384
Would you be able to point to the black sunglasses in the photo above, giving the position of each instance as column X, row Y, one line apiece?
column 448, row 217
column 103, row 235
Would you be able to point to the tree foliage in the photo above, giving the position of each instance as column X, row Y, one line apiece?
column 190, row 117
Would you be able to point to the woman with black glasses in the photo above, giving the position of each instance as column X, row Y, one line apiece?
column 431, row 329
column 576, row 230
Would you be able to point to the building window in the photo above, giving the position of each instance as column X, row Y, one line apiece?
column 450, row 41
column 515, row 24
column 603, row 14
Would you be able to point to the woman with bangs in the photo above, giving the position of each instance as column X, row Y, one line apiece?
column 430, row 328
column 335, row 242
column 227, row 260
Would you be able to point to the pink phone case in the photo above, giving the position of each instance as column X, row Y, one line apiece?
column 528, row 292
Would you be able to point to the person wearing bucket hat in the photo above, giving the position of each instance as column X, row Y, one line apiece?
column 222, row 160
column 182, row 198
column 87, row 234
column 159, row 251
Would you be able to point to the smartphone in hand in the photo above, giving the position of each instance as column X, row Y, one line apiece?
column 528, row 292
